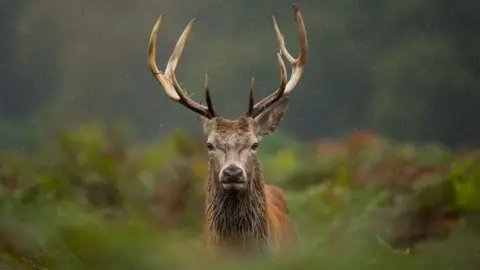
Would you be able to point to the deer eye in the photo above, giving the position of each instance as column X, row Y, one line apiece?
column 254, row 146
column 210, row 147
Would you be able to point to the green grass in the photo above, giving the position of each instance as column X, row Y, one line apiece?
column 91, row 200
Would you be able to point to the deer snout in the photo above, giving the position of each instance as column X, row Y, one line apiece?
column 233, row 177
column 232, row 174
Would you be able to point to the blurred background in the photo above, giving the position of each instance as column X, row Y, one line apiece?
column 378, row 153
column 407, row 69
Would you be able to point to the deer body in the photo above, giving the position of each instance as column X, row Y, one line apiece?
column 242, row 213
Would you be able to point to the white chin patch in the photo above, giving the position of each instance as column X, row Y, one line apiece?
column 233, row 186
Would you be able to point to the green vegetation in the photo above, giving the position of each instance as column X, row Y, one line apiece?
column 92, row 200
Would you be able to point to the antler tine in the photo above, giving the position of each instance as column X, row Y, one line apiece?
column 167, row 80
column 256, row 109
column 251, row 100
column 297, row 64
column 207, row 96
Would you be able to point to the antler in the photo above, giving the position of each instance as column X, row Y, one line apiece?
column 297, row 67
column 168, row 81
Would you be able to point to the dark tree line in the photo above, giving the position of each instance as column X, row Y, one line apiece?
column 408, row 69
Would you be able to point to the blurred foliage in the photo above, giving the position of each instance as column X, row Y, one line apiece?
column 94, row 200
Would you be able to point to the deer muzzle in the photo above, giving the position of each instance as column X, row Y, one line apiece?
column 233, row 177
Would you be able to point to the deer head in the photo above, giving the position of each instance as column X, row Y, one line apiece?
column 232, row 144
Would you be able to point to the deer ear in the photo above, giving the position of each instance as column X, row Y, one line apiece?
column 205, row 123
column 269, row 120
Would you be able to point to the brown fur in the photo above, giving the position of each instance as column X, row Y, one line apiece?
column 275, row 194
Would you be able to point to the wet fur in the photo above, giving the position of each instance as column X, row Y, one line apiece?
column 254, row 219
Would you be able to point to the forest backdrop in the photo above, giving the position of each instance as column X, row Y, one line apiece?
column 407, row 69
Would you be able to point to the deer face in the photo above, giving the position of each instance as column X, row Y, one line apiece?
column 232, row 144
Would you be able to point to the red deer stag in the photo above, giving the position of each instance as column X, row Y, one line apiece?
column 241, row 212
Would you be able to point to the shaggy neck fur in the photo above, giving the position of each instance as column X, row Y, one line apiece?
column 237, row 219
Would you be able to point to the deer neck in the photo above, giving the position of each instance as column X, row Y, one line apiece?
column 237, row 219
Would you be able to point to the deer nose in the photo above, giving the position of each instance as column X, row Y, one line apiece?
column 232, row 174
